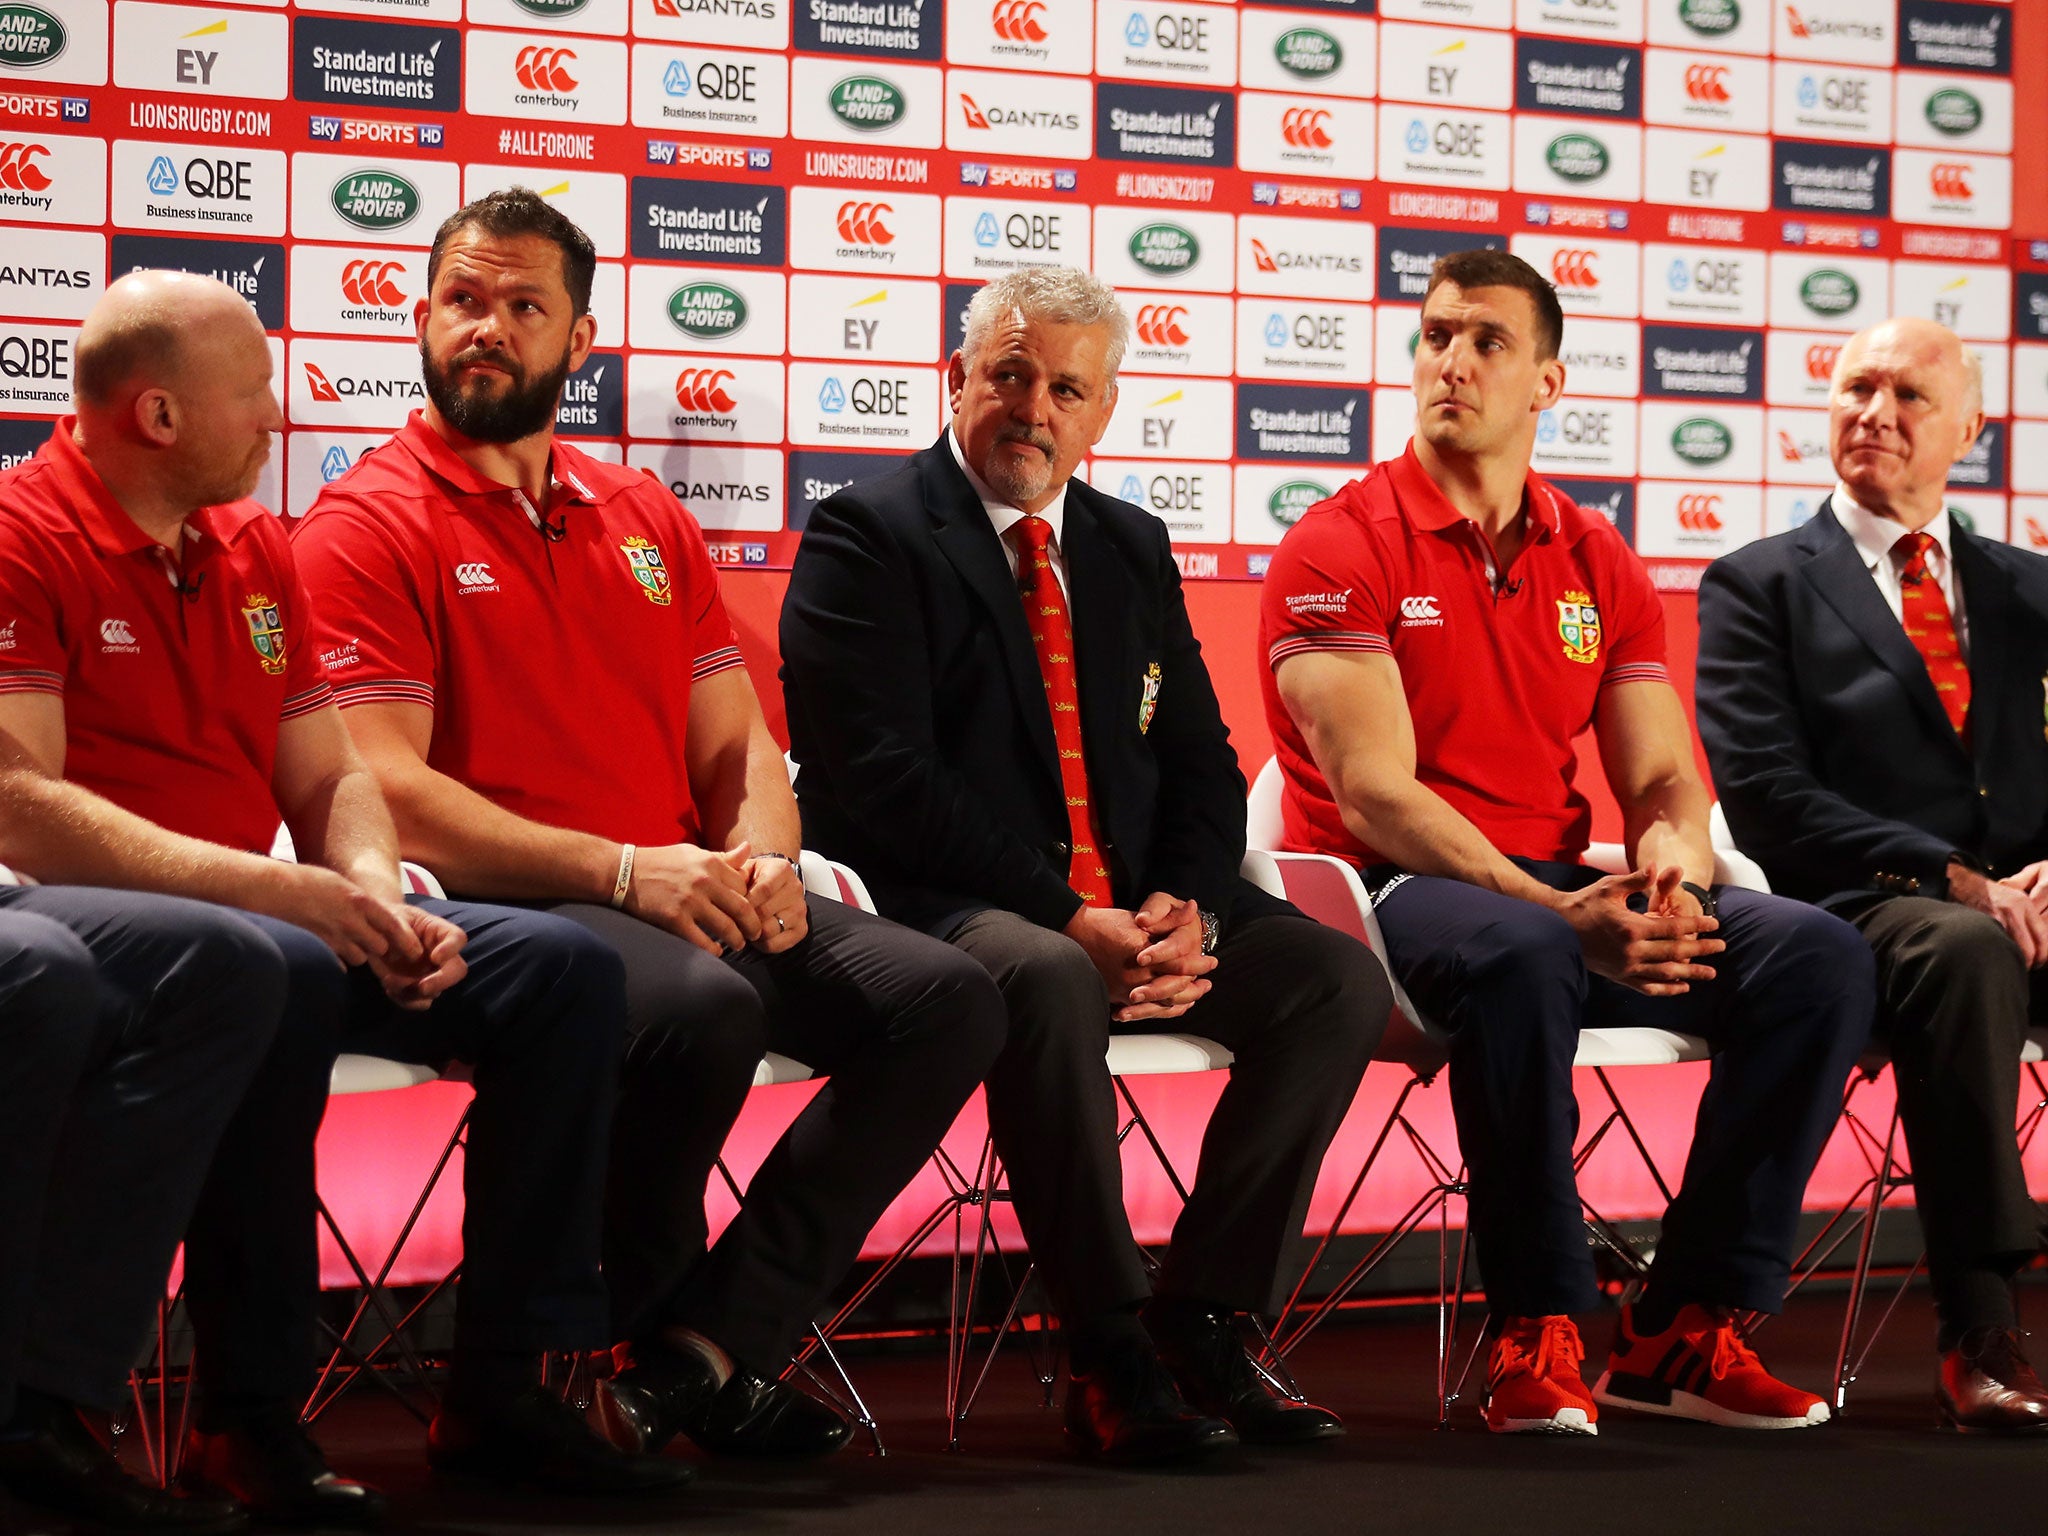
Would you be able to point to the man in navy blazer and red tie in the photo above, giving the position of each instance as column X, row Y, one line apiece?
column 1003, row 720
column 1871, row 698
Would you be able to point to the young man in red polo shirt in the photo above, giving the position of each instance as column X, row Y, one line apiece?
column 157, row 673
column 1437, row 635
column 529, row 647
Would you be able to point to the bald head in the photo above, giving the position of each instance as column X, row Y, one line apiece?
column 1907, row 402
column 150, row 329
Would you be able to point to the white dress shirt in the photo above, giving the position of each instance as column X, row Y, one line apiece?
column 1005, row 517
column 1875, row 536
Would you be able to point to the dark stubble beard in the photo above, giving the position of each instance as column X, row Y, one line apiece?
column 526, row 407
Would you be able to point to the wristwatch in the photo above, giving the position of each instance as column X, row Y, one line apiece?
column 1212, row 930
column 1709, row 905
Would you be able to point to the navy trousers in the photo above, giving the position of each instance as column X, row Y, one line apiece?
column 1787, row 1013
column 540, row 1019
column 129, row 1027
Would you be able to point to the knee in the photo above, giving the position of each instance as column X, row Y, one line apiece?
column 962, row 1000
column 1051, row 991
column 249, row 980
column 50, row 992
column 1353, row 997
column 704, row 1019
column 1960, row 955
column 573, row 977
column 1524, row 953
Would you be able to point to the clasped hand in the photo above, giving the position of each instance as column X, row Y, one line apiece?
column 1656, row 951
column 1150, row 960
column 720, row 901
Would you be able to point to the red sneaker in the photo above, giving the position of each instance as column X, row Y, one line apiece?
column 1701, row 1368
column 1533, row 1384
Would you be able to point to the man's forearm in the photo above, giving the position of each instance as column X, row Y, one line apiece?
column 1668, row 829
column 1416, row 828
column 479, row 848
column 347, row 827
column 764, row 814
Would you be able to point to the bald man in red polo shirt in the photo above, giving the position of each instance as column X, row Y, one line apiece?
column 1437, row 635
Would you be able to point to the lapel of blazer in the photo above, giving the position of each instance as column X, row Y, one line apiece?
column 1988, row 607
column 967, row 539
column 1836, row 570
column 1099, row 601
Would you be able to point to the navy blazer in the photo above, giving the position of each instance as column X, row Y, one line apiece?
column 1834, row 761
column 917, row 710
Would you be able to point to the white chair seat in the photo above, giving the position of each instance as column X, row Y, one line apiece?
column 374, row 1074
column 2036, row 1048
column 776, row 1069
column 1637, row 1048
column 1156, row 1055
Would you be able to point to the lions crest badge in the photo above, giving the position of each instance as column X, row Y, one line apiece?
column 266, row 631
column 645, row 559
column 1578, row 625
column 1148, row 697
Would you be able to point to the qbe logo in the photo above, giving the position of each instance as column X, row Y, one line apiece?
column 834, row 404
column 985, row 236
column 1467, row 149
column 35, row 368
column 1613, row 20
column 315, row 460
column 1193, row 43
column 197, row 189
column 1587, row 437
column 864, row 319
column 1592, row 277
column 1831, row 102
column 709, row 222
column 375, row 64
column 1314, row 340
column 731, row 23
column 1162, row 418
column 1192, row 499
column 192, row 52
column 361, row 384
column 1703, row 283
column 711, row 90
column 704, row 399
column 850, row 229
column 52, row 178
column 990, row 114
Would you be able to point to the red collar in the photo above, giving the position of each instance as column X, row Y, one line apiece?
column 444, row 463
column 1425, row 505
column 104, row 521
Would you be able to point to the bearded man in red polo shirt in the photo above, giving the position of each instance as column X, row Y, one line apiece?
column 1437, row 634
column 530, row 649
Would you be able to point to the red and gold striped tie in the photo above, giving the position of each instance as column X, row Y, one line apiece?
column 1932, row 629
column 1052, row 637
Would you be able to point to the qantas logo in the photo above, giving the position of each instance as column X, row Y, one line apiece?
column 1811, row 31
column 861, row 224
column 1263, row 258
column 317, row 382
column 546, row 69
column 1162, row 325
column 1014, row 21
column 706, row 389
column 1707, row 82
column 348, row 387
column 1699, row 513
column 371, row 282
column 2037, row 536
column 1820, row 361
column 976, row 118
column 1572, row 267
column 1306, row 127
column 18, row 170
column 1950, row 181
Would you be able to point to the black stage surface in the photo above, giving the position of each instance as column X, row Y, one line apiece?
column 1883, row 1468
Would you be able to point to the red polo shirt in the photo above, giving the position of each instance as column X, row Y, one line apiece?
column 173, row 693
column 1500, row 676
column 558, row 668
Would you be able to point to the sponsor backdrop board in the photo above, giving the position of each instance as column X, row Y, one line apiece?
column 794, row 200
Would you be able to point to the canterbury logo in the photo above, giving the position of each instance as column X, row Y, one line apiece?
column 1820, row 361
column 1014, row 21
column 317, row 382
column 18, row 170
column 1707, row 82
column 1950, row 182
column 1162, row 325
column 546, row 69
column 1419, row 608
column 1699, row 513
column 116, row 632
column 1572, row 267
column 1263, row 258
column 861, row 223
column 474, row 574
column 369, row 282
column 706, row 389
column 1306, row 127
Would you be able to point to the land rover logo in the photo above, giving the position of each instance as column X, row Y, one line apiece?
column 1954, row 112
column 551, row 7
column 1289, row 501
column 372, row 199
column 1165, row 248
column 867, row 103
column 1830, row 291
column 1577, row 157
column 1414, row 340
column 707, row 310
column 1309, row 52
column 1702, row 440
column 30, row 37
column 1710, row 18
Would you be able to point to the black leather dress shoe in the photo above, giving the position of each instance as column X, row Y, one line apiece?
column 1126, row 1408
column 270, row 1465
column 1987, row 1387
column 536, row 1439
column 750, row 1416
column 1207, row 1357
column 62, row 1467
column 643, row 1404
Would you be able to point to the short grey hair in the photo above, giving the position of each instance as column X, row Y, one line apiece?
column 1059, row 295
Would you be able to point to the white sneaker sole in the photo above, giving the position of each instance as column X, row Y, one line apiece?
column 1566, row 1421
column 1686, row 1405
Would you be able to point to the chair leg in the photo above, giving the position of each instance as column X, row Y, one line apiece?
column 1882, row 1182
